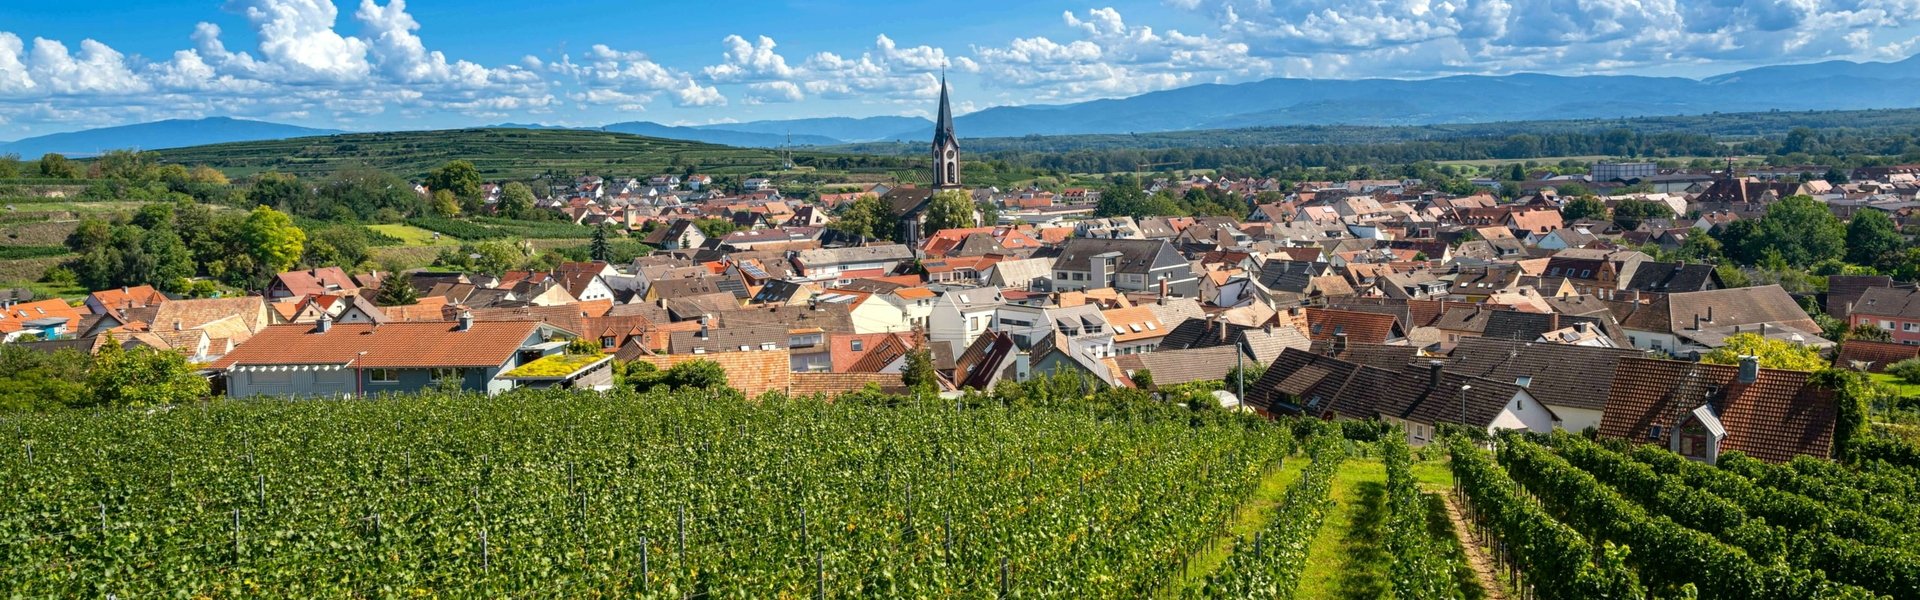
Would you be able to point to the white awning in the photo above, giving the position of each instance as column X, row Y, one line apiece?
column 1711, row 421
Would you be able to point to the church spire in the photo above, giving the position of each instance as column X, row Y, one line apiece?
column 943, row 126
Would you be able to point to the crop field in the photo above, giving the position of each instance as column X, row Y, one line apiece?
column 559, row 495
column 413, row 236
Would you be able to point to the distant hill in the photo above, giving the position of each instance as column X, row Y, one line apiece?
column 1463, row 99
column 497, row 153
column 718, row 136
column 173, row 133
column 842, row 129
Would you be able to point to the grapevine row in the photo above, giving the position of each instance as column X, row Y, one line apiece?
column 1545, row 555
column 1877, row 487
column 1419, row 570
column 1785, row 509
column 1879, row 569
column 1269, row 565
column 1669, row 558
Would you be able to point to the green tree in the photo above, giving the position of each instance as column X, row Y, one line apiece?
column 1867, row 332
column 338, row 246
column 57, row 166
column 867, row 216
column 516, row 201
column 598, row 249
column 272, row 240
column 1773, row 354
column 1585, row 207
column 458, row 177
column 9, row 166
column 1800, row 229
column 1907, row 370
column 444, row 204
column 365, row 193
column 989, row 214
column 1630, row 213
column 1872, row 238
column 949, row 209
column 1142, row 379
column 918, row 374
column 35, row 380
column 396, row 291
column 143, row 377
column 287, row 193
column 1699, row 246
column 714, row 227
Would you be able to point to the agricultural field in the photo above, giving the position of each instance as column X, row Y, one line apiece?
column 557, row 494
column 499, row 154
column 413, row 236
column 1572, row 518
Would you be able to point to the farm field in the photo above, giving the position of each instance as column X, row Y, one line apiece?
column 413, row 236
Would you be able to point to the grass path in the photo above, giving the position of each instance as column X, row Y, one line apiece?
column 1253, row 515
column 1348, row 557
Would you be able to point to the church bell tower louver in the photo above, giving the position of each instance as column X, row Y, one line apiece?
column 946, row 148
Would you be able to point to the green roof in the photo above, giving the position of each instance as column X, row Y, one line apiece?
column 558, row 366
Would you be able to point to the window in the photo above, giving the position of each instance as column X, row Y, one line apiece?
column 1910, row 327
column 272, row 378
column 973, row 322
column 859, row 345
column 1654, row 434
column 383, row 376
column 453, row 373
column 606, row 341
column 1887, row 325
column 768, row 346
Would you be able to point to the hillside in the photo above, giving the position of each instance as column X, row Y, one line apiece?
column 718, row 136
column 498, row 153
column 173, row 133
column 1729, row 125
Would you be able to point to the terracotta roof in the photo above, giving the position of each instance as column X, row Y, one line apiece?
column 891, row 347
column 1134, row 324
column 1359, row 327
column 14, row 318
column 1779, row 416
column 427, row 309
column 128, row 297
column 1876, row 355
column 393, row 345
column 571, row 317
column 320, row 280
column 753, row 373
column 840, row 350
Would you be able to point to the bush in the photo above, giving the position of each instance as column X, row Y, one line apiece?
column 1907, row 370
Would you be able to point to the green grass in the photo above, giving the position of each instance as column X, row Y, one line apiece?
column 413, row 236
column 1253, row 515
column 1348, row 558
column 1897, row 385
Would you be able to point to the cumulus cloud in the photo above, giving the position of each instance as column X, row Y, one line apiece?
column 1112, row 58
column 750, row 61
column 299, row 43
column 774, row 92
column 629, row 79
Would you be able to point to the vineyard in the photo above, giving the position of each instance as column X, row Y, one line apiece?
column 666, row 495
column 1567, row 517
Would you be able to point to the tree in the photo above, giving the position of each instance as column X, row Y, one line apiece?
column 1773, row 354
column 714, row 228
column 1142, row 379
column 1907, row 370
column 693, row 374
column 9, row 166
column 35, row 380
column 516, row 201
column 458, row 177
column 1247, row 373
column 341, row 246
column 989, row 214
column 396, row 291
column 444, row 204
column 1629, row 213
column 57, row 166
column 949, row 209
column 143, row 376
column 368, row 194
column 598, row 250
column 1585, row 207
column 272, row 240
column 1699, row 246
column 1800, row 229
column 918, row 373
column 1867, row 332
column 867, row 216
column 1872, row 238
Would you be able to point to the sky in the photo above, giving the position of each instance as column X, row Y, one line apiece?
column 366, row 65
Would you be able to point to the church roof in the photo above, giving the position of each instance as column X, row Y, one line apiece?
column 943, row 126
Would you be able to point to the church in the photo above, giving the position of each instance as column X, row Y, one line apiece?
column 909, row 204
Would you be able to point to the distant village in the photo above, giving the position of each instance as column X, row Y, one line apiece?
column 1379, row 299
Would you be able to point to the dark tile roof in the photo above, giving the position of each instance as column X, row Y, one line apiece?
column 736, row 338
column 1843, row 291
column 1136, row 256
column 1322, row 386
column 1670, row 277
column 1888, row 302
column 1202, row 333
column 982, row 361
column 1560, row 375
column 1514, row 325
column 1876, row 355
column 1173, row 367
column 1779, row 416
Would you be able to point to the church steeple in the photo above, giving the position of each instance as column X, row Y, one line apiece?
column 946, row 147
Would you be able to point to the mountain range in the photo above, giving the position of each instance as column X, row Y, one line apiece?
column 1832, row 85
column 171, row 133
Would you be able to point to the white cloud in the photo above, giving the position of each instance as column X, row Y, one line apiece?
column 298, row 42
column 750, row 61
column 399, row 53
column 772, row 92
column 630, row 78
column 1112, row 59
column 14, row 78
column 97, row 69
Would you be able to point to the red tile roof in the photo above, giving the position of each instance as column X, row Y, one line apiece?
column 1777, row 417
column 128, row 297
column 393, row 345
column 1876, row 355
column 14, row 318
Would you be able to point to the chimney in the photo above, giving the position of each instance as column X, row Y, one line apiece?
column 324, row 325
column 1709, row 313
column 705, row 321
column 1749, row 369
column 1696, row 322
column 1163, row 290
column 1636, row 296
column 1763, row 330
column 466, row 321
column 1582, row 326
column 1433, row 374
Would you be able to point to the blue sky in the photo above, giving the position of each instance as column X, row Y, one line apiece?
column 391, row 64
